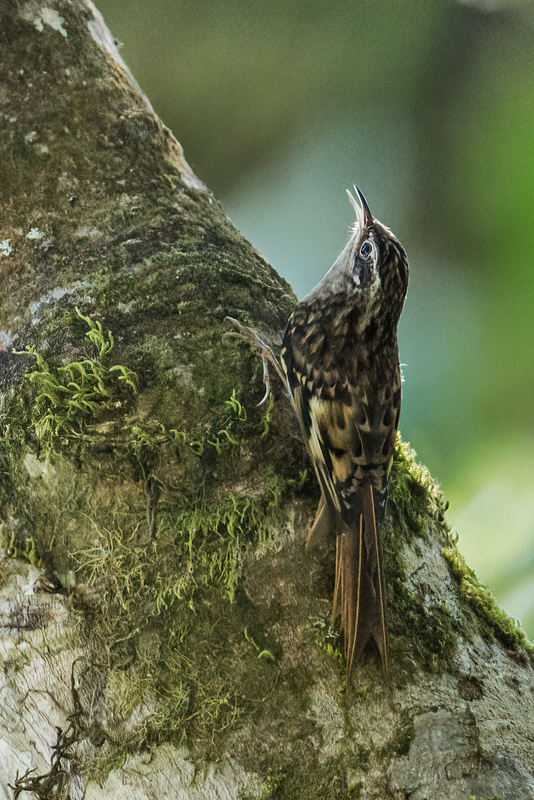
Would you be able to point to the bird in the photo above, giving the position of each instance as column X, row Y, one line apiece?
column 341, row 364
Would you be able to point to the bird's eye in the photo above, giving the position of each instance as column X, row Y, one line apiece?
column 366, row 249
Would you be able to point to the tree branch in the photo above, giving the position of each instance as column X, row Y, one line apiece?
column 162, row 632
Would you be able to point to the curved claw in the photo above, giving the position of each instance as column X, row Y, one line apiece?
column 251, row 337
column 266, row 381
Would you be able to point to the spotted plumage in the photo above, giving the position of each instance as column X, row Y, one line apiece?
column 340, row 357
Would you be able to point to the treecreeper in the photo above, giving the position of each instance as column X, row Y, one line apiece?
column 341, row 363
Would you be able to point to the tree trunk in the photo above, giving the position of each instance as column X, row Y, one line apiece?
column 162, row 632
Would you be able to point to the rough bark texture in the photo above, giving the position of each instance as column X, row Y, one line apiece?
column 162, row 632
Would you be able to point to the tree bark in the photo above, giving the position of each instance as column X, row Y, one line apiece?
column 162, row 632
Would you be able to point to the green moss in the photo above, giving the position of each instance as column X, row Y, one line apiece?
column 271, row 785
column 162, row 613
column 420, row 634
column 415, row 497
column 426, row 635
column 485, row 798
column 313, row 781
column 492, row 621
column 104, row 763
column 164, row 619
column 327, row 638
column 174, row 654
column 62, row 399
column 24, row 549
column 418, row 505
column 150, row 527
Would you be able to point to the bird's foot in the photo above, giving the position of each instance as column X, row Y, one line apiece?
column 254, row 340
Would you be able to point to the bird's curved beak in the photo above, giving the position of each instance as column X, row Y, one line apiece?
column 364, row 218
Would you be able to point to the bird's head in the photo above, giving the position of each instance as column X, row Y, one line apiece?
column 370, row 273
column 362, row 253
column 374, row 258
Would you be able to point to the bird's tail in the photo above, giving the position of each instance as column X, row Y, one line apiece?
column 358, row 593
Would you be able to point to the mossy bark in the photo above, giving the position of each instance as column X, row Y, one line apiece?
column 161, row 625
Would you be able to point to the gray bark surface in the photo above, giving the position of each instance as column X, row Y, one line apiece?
column 101, row 216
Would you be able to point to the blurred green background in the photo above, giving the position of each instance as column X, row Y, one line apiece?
column 428, row 106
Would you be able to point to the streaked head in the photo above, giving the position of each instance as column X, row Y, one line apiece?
column 374, row 256
column 371, row 272
column 364, row 255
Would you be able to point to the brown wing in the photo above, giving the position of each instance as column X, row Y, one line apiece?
column 351, row 440
column 350, row 434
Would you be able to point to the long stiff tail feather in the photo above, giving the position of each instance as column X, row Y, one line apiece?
column 358, row 593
